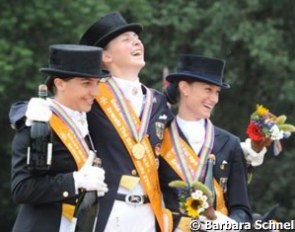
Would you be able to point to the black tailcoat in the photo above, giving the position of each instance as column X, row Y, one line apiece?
column 115, row 158
column 226, row 148
column 41, row 194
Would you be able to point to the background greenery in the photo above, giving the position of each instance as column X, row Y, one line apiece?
column 256, row 37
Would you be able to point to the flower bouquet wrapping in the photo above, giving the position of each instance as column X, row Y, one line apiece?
column 265, row 128
column 194, row 200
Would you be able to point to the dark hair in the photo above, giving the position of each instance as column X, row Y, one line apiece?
column 172, row 93
column 50, row 83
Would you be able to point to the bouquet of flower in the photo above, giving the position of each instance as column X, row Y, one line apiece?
column 265, row 127
column 194, row 200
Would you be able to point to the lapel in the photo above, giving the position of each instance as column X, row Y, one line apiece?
column 219, row 141
column 156, row 103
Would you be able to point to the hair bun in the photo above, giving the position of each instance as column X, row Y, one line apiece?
column 171, row 93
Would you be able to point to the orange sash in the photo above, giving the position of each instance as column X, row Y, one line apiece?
column 71, row 142
column 146, row 167
column 169, row 155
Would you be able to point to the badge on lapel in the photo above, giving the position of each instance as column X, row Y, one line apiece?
column 160, row 126
column 223, row 179
column 223, row 165
column 158, row 149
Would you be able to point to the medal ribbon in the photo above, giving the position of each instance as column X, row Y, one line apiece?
column 72, row 138
column 189, row 174
column 146, row 166
column 137, row 133
column 76, row 143
column 168, row 152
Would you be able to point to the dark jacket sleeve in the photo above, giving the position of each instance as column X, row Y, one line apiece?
column 238, row 202
column 56, row 185
column 17, row 114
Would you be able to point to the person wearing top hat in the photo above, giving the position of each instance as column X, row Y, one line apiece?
column 47, row 196
column 195, row 87
column 127, row 121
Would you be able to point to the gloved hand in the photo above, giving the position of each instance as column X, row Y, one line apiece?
column 90, row 178
column 252, row 157
column 222, row 223
column 38, row 110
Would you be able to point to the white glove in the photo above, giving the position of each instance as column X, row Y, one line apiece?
column 222, row 223
column 38, row 110
column 90, row 178
column 252, row 157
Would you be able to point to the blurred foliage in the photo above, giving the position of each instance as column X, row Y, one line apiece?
column 255, row 37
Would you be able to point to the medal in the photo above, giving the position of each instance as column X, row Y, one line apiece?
column 138, row 151
column 137, row 128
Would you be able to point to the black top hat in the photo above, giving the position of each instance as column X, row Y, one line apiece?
column 199, row 68
column 68, row 60
column 107, row 28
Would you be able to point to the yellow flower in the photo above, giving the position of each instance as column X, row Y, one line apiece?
column 261, row 110
column 193, row 206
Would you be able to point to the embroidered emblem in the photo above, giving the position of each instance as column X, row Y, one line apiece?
column 160, row 126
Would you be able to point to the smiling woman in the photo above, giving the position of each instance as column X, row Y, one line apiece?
column 192, row 138
column 77, row 93
column 198, row 101
column 48, row 197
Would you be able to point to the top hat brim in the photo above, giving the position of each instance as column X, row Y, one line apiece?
column 66, row 74
column 176, row 77
column 104, row 40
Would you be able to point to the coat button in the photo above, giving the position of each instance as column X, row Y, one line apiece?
column 134, row 91
column 65, row 194
column 134, row 172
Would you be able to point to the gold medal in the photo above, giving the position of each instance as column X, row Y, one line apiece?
column 138, row 151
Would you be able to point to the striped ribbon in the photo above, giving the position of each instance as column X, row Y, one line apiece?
column 137, row 133
column 205, row 151
column 62, row 114
column 277, row 147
